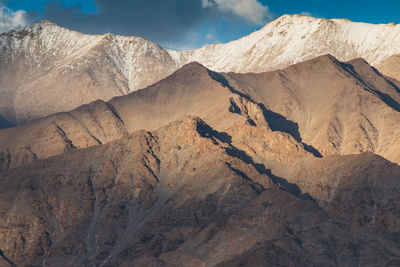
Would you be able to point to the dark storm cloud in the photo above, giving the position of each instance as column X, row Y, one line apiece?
column 157, row 20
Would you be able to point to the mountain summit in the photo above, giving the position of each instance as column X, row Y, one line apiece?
column 47, row 69
column 294, row 38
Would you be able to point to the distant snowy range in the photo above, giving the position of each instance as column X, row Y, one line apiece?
column 46, row 68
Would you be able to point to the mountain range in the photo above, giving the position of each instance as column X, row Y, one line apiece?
column 77, row 69
column 272, row 150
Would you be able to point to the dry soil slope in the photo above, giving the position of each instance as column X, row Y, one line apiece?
column 390, row 67
column 184, row 195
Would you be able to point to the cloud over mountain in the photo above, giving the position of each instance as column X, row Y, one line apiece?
column 10, row 19
column 156, row 20
column 162, row 21
column 251, row 10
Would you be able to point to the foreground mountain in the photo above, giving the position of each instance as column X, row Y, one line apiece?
column 47, row 69
column 184, row 195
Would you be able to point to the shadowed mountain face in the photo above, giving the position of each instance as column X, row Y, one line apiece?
column 290, row 167
column 4, row 123
column 190, row 91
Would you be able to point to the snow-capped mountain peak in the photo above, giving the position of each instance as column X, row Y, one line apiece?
column 295, row 38
column 44, row 63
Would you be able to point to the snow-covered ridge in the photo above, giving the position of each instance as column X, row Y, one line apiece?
column 45, row 69
column 44, row 46
column 285, row 41
column 295, row 38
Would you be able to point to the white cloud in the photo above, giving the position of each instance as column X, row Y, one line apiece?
column 251, row 10
column 11, row 19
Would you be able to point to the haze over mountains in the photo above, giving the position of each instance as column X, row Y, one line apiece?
column 78, row 68
column 287, row 167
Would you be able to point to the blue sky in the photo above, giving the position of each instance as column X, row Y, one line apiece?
column 185, row 24
column 88, row 6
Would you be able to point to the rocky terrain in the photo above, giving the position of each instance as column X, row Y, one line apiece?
column 47, row 69
column 330, row 107
column 185, row 195
column 291, row 167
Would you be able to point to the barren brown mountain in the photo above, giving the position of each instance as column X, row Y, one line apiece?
column 331, row 107
column 283, row 168
column 185, row 195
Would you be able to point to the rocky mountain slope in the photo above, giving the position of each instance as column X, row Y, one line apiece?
column 183, row 194
column 330, row 107
column 338, row 108
column 282, row 168
column 47, row 69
